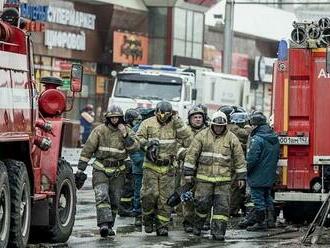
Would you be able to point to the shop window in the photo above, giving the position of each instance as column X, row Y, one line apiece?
column 188, row 33
column 197, row 50
column 179, row 47
column 189, row 52
column 189, row 23
column 198, row 27
column 180, row 24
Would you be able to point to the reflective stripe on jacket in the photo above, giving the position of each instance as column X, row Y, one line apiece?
column 107, row 143
column 214, row 158
column 170, row 136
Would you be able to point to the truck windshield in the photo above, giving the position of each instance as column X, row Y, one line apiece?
column 149, row 90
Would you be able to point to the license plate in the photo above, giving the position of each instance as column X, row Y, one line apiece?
column 293, row 140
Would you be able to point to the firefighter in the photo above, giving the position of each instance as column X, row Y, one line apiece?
column 262, row 158
column 109, row 144
column 213, row 155
column 160, row 137
column 237, row 119
column 133, row 118
column 196, row 123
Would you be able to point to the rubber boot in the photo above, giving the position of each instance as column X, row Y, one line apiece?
column 260, row 224
column 270, row 218
column 197, row 227
column 162, row 231
column 104, row 230
column 111, row 231
column 148, row 223
column 218, row 230
column 138, row 221
column 206, row 227
column 249, row 220
column 188, row 227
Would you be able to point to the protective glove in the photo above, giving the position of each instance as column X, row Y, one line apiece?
column 181, row 154
column 80, row 178
column 241, row 183
column 82, row 165
column 152, row 150
column 177, row 122
column 187, row 196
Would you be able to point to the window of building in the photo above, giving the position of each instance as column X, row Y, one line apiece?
column 188, row 30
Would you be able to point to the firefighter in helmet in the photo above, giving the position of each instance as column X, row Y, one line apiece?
column 110, row 144
column 238, row 124
column 213, row 155
column 160, row 136
column 196, row 123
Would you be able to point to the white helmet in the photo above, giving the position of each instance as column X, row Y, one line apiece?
column 218, row 118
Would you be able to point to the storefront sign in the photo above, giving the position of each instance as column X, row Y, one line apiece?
column 100, row 84
column 130, row 48
column 263, row 69
column 58, row 15
column 65, row 40
column 213, row 57
column 240, row 64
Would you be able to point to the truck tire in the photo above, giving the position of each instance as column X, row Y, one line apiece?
column 20, row 218
column 4, row 206
column 65, row 204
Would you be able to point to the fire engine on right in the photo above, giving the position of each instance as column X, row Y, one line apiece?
column 301, row 94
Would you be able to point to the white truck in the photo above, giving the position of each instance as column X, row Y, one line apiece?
column 145, row 86
column 216, row 89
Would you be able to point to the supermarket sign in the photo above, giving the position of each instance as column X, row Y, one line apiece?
column 51, row 14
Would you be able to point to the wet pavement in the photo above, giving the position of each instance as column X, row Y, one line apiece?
column 85, row 233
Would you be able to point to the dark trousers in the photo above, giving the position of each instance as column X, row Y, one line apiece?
column 261, row 197
column 137, row 196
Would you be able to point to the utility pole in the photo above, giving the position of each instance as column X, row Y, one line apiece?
column 228, row 46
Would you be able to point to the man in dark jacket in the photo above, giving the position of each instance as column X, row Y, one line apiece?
column 262, row 158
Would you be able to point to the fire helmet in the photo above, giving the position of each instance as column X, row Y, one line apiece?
column 164, row 111
column 239, row 117
column 114, row 111
column 193, row 111
column 132, row 115
column 218, row 118
column 196, row 110
column 228, row 110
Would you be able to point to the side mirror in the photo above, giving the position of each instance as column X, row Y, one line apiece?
column 76, row 77
column 194, row 94
column 328, row 60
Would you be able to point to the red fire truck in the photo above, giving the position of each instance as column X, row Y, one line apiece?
column 301, row 114
column 37, row 190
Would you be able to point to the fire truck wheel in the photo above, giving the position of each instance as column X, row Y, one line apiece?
column 20, row 203
column 65, row 204
column 4, row 206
